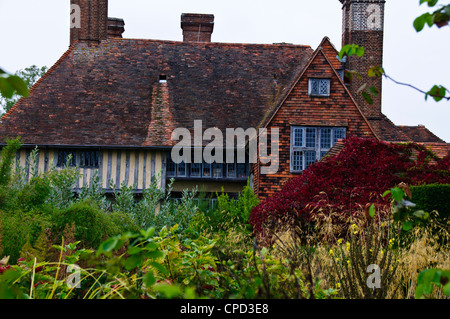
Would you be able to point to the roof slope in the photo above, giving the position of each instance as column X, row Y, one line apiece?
column 387, row 130
column 420, row 134
column 109, row 94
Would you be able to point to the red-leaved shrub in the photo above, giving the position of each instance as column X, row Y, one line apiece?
column 346, row 182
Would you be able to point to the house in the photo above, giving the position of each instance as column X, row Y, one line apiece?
column 114, row 103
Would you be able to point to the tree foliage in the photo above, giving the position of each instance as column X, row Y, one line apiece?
column 17, row 85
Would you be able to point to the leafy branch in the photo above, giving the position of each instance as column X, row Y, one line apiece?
column 439, row 17
column 12, row 83
column 437, row 92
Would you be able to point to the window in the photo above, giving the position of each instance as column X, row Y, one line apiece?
column 310, row 144
column 206, row 170
column 66, row 158
column 319, row 87
column 181, row 169
column 217, row 169
column 241, row 170
column 339, row 134
column 231, row 169
column 80, row 158
column 171, row 169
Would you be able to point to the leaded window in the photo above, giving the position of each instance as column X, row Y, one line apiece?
column 310, row 144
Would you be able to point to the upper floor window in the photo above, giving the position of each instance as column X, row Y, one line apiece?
column 310, row 144
column 319, row 87
column 80, row 158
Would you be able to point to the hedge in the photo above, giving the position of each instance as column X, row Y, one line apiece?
column 432, row 197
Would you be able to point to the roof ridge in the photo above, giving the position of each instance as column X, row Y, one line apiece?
column 237, row 44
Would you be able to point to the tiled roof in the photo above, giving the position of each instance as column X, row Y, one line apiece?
column 440, row 149
column 420, row 134
column 110, row 94
column 386, row 130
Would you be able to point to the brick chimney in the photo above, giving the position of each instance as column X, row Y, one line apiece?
column 363, row 24
column 116, row 27
column 88, row 20
column 197, row 27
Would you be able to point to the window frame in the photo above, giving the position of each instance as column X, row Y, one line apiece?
column 318, row 94
column 299, row 154
column 91, row 158
column 206, row 170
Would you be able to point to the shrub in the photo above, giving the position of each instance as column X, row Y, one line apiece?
column 229, row 214
column 357, row 175
column 432, row 197
column 16, row 227
column 92, row 225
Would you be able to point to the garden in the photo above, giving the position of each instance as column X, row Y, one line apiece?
column 370, row 222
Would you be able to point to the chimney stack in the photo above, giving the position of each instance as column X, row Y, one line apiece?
column 88, row 20
column 116, row 27
column 197, row 27
column 363, row 24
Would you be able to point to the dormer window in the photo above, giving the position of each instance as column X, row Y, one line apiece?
column 319, row 87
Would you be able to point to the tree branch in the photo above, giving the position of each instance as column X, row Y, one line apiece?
column 413, row 87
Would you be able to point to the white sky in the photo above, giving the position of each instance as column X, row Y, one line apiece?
column 37, row 32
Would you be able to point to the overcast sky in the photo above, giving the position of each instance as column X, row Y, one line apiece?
column 37, row 32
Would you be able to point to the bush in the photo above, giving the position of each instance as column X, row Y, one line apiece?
column 432, row 197
column 92, row 225
column 357, row 175
column 229, row 213
column 15, row 228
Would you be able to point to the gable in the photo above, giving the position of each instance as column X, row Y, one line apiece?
column 297, row 108
column 339, row 109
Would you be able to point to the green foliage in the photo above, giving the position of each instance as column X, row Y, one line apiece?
column 229, row 214
column 92, row 225
column 433, row 197
column 62, row 183
column 439, row 17
column 7, row 156
column 368, row 93
column 9, row 84
column 351, row 49
column 16, row 228
column 38, row 250
column 429, row 278
column 157, row 247
column 94, row 192
column 23, row 80
column 437, row 92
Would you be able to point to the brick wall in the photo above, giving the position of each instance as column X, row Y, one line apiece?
column 93, row 20
column 300, row 109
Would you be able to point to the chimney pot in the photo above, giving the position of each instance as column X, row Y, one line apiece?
column 116, row 27
column 197, row 27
